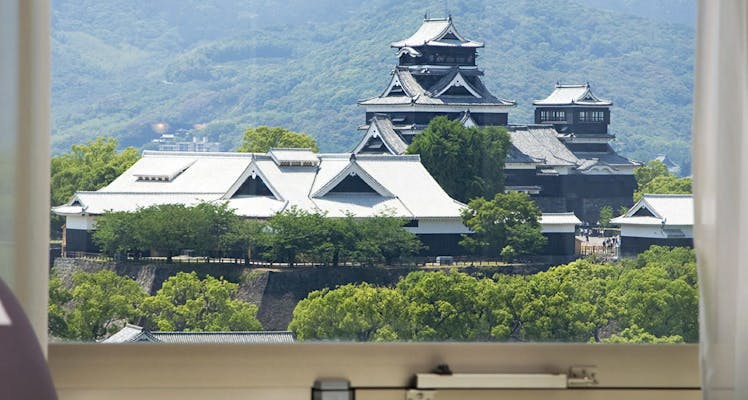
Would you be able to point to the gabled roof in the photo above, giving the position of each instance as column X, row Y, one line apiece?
column 352, row 169
column 666, row 210
column 608, row 158
column 566, row 95
column 415, row 93
column 380, row 126
column 437, row 32
column 540, row 145
column 253, row 171
column 567, row 218
column 133, row 333
column 453, row 79
column 401, row 183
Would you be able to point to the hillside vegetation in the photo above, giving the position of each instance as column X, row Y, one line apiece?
column 220, row 66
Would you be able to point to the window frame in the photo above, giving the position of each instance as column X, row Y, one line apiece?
column 286, row 371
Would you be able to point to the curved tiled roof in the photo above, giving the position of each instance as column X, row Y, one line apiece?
column 416, row 93
column 432, row 33
column 564, row 95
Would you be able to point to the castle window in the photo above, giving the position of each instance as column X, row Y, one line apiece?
column 548, row 115
column 591, row 116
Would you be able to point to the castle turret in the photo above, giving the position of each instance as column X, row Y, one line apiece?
column 580, row 117
column 436, row 75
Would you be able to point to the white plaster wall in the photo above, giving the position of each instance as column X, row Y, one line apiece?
column 652, row 231
column 558, row 228
column 439, row 225
column 80, row 222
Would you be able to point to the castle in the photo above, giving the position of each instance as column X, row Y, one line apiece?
column 563, row 160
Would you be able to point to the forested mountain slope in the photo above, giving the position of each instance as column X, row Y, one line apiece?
column 220, row 66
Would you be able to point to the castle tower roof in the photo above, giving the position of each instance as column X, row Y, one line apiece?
column 568, row 95
column 438, row 32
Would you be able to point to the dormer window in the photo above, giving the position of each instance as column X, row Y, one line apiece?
column 163, row 171
column 294, row 157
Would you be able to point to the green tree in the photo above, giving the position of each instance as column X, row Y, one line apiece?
column 292, row 234
column 651, row 300
column 659, row 293
column 118, row 233
column 382, row 239
column 241, row 238
column 352, row 312
column 263, row 138
column 59, row 295
column 187, row 303
column 89, row 166
column 645, row 173
column 654, row 178
column 102, row 303
column 207, row 228
column 295, row 234
column 567, row 303
column 467, row 162
column 447, row 305
column 510, row 219
column 635, row 334
column 606, row 214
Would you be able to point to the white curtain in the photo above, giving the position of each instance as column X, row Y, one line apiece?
column 720, row 150
column 24, row 155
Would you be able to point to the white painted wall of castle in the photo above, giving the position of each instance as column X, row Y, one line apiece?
column 652, row 231
column 80, row 222
column 438, row 225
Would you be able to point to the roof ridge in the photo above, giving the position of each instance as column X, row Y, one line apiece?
column 157, row 153
column 218, row 332
column 667, row 195
column 129, row 192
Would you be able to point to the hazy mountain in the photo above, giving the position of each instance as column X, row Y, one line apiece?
column 120, row 66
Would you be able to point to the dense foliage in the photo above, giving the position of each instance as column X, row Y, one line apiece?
column 296, row 235
column 293, row 235
column 263, row 138
column 507, row 226
column 99, row 304
column 88, row 166
column 187, row 303
column 467, row 162
column 216, row 67
column 652, row 299
column 167, row 229
column 654, row 178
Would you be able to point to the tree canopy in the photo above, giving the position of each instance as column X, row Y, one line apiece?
column 654, row 178
column 263, row 138
column 206, row 229
column 467, row 162
column 507, row 226
column 653, row 299
column 296, row 235
column 101, row 303
column 187, row 303
column 89, row 166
